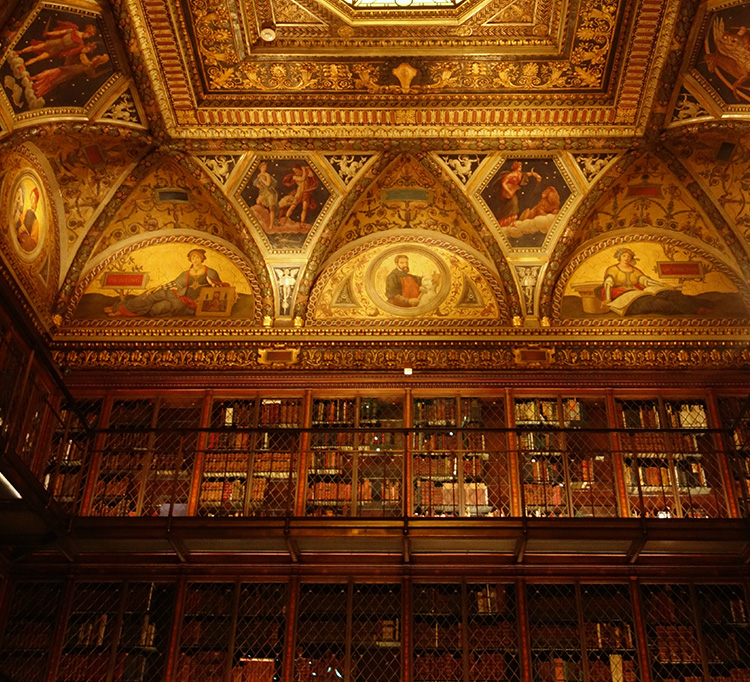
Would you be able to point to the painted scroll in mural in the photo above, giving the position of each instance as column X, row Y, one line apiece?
column 28, row 216
column 59, row 61
column 725, row 62
column 168, row 281
column 525, row 196
column 650, row 280
column 286, row 197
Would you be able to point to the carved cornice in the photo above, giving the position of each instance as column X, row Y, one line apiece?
column 431, row 356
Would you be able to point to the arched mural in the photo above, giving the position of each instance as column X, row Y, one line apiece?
column 168, row 280
column 415, row 279
column 648, row 279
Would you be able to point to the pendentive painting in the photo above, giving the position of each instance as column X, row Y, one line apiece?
column 29, row 216
column 525, row 196
column 175, row 280
column 286, row 197
column 61, row 60
column 644, row 279
column 725, row 58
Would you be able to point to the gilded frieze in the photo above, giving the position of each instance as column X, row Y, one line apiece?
column 498, row 356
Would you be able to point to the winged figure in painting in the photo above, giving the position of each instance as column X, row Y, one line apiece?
column 732, row 54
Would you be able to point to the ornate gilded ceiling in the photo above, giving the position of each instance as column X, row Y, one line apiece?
column 521, row 178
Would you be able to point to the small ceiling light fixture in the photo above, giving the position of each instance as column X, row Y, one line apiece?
column 268, row 31
column 407, row 371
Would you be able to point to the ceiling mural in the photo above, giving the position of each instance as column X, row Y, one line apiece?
column 30, row 238
column 87, row 167
column 281, row 169
column 168, row 280
column 412, row 278
column 650, row 279
column 722, row 57
column 406, row 196
column 526, row 198
column 168, row 198
column 646, row 198
column 285, row 198
column 722, row 164
column 58, row 59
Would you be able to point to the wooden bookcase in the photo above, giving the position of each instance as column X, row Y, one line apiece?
column 672, row 467
column 251, row 457
column 735, row 415
column 29, row 629
column 458, row 468
column 355, row 466
column 565, row 473
column 70, row 454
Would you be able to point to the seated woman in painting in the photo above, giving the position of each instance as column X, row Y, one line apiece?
column 629, row 291
column 177, row 298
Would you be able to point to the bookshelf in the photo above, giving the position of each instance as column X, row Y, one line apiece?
column 89, row 632
column 69, row 454
column 565, row 457
column 323, row 625
column 672, row 467
column 609, row 633
column 355, row 466
column 123, row 458
column 735, row 415
column 672, row 632
column 376, row 633
column 492, row 633
column 726, row 631
column 554, row 632
column 205, row 633
column 258, row 646
column 437, row 615
column 458, row 468
column 251, row 457
column 29, row 632
column 143, row 647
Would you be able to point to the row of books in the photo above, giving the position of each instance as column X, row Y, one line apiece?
column 272, row 412
column 687, row 415
column 543, row 495
column 254, row 670
column 427, row 494
column 615, row 669
column 435, row 412
column 689, row 475
column 120, row 507
column 675, row 644
column 232, row 491
column 490, row 599
column 433, row 667
column 215, row 633
column 80, row 667
column 324, row 668
column 90, row 632
column 640, row 415
column 437, row 635
column 490, row 635
column 368, row 490
column 334, row 411
column 487, row 666
column 436, row 442
column 200, row 666
column 539, row 410
column 239, row 462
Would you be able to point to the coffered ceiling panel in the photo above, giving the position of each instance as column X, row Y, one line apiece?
column 322, row 67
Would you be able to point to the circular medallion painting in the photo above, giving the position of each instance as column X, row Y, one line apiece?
column 28, row 216
column 407, row 280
